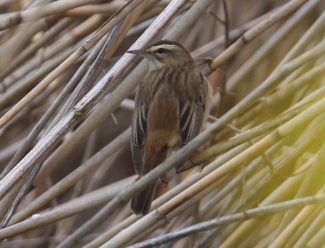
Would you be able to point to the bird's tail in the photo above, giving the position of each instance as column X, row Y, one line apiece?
column 141, row 202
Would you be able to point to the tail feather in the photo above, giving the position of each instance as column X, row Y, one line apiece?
column 141, row 202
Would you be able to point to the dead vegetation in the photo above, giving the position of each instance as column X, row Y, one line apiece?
column 67, row 89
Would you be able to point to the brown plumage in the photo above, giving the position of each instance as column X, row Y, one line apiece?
column 171, row 107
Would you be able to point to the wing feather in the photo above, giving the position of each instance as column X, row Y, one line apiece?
column 138, row 136
column 190, row 122
column 191, row 111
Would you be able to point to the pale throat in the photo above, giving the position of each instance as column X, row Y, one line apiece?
column 154, row 64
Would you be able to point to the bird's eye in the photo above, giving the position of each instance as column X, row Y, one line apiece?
column 161, row 50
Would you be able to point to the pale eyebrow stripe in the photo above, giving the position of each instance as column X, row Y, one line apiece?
column 165, row 46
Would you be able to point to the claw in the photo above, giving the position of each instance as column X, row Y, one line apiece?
column 202, row 167
column 164, row 181
column 202, row 164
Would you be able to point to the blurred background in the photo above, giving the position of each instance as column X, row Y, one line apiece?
column 55, row 52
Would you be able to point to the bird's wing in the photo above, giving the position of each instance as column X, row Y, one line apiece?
column 190, row 121
column 191, row 112
column 143, row 100
column 138, row 135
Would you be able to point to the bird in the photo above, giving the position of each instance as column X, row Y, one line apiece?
column 172, row 104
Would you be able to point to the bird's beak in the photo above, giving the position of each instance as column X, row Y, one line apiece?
column 140, row 52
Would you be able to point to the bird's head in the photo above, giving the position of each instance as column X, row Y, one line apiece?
column 165, row 53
